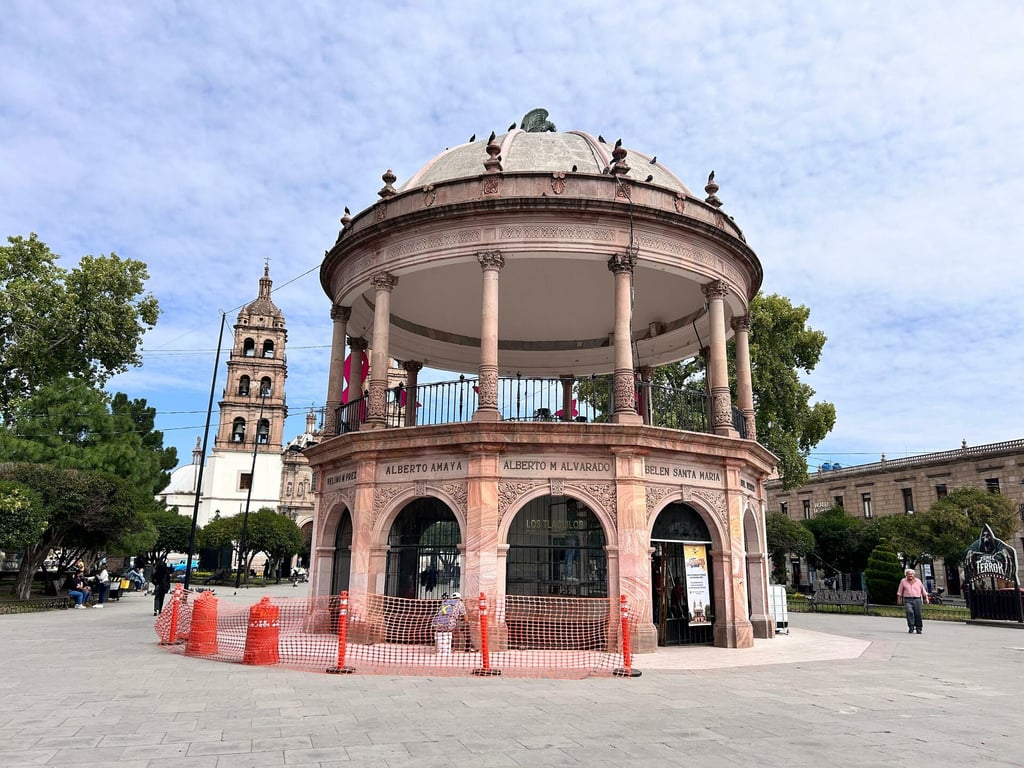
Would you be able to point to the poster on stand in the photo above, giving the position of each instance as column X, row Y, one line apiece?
column 698, row 594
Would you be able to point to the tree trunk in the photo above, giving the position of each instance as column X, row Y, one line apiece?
column 32, row 558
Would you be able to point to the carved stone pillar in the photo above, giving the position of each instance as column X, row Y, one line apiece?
column 355, row 414
column 624, row 386
column 491, row 262
column 744, row 384
column 721, row 403
column 376, row 412
column 646, row 374
column 412, row 370
column 336, row 373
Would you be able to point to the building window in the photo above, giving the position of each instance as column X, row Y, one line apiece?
column 784, row 508
column 244, row 481
column 266, row 387
column 838, row 500
column 908, row 500
column 807, row 508
column 249, row 348
column 992, row 485
column 263, row 432
column 243, row 385
column 238, row 430
column 940, row 491
column 268, row 348
column 865, row 504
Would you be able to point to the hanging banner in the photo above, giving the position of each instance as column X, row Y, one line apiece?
column 698, row 592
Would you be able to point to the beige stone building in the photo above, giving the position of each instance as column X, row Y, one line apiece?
column 526, row 264
column 903, row 487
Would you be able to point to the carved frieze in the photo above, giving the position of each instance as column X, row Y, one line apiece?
column 492, row 185
column 382, row 496
column 377, row 401
column 557, row 486
column 421, row 488
column 716, row 500
column 655, row 495
column 459, row 493
column 555, row 232
column 625, row 392
column 434, row 242
column 509, row 493
column 487, row 394
column 722, row 407
column 603, row 494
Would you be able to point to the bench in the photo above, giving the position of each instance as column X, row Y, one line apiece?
column 839, row 597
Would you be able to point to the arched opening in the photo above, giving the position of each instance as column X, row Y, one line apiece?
column 243, row 386
column 238, row 430
column 249, row 348
column 268, row 348
column 266, row 386
column 342, row 554
column 423, row 551
column 263, row 432
column 682, row 577
column 556, row 547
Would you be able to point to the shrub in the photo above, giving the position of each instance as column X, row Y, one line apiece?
column 883, row 575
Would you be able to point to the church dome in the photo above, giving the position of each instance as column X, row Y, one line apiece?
column 262, row 307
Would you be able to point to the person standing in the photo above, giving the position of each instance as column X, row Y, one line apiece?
column 102, row 584
column 912, row 594
column 161, row 585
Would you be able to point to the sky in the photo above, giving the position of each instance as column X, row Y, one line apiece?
column 870, row 151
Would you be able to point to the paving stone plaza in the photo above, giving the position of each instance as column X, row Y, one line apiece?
column 93, row 688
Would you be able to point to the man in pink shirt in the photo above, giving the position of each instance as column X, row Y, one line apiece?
column 912, row 594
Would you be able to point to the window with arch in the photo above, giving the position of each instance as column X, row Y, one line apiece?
column 238, row 430
column 266, row 386
column 249, row 347
column 268, row 348
column 243, row 385
column 263, row 432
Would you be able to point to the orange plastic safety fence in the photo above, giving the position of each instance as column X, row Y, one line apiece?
column 525, row 636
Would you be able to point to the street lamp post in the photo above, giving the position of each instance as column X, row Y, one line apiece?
column 248, row 494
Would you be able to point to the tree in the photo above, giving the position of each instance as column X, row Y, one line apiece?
column 70, row 424
column 883, row 574
column 222, row 532
column 173, row 532
column 276, row 535
column 83, row 509
column 953, row 522
column 22, row 518
column 86, row 322
column 837, row 540
column 903, row 533
column 784, row 536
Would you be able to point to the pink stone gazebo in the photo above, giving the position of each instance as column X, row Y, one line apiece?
column 549, row 272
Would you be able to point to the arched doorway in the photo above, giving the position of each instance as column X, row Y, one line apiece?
column 556, row 547
column 342, row 554
column 681, row 577
column 423, row 551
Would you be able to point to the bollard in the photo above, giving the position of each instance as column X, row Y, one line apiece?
column 485, row 650
column 172, row 633
column 627, row 655
column 261, row 639
column 342, row 669
column 202, row 639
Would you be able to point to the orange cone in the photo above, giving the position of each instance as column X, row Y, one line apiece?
column 261, row 639
column 202, row 640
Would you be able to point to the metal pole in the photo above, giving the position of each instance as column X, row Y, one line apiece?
column 248, row 493
column 202, row 460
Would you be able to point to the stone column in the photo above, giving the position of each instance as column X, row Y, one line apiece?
column 336, row 373
column 567, row 382
column 646, row 374
column 355, row 414
column 744, row 384
column 721, row 403
column 487, row 404
column 624, row 387
column 412, row 370
column 757, row 587
column 383, row 284
column 634, row 561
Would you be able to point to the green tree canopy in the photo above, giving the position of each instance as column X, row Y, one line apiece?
column 173, row 532
column 275, row 534
column 883, row 574
column 838, row 546
column 86, row 322
column 953, row 522
column 22, row 517
column 904, row 534
column 784, row 536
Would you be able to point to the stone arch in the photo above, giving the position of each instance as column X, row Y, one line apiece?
column 606, row 519
column 701, row 505
column 390, row 507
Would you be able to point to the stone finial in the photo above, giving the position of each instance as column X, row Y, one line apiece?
column 346, row 219
column 493, row 161
column 618, row 166
column 388, row 190
column 712, row 190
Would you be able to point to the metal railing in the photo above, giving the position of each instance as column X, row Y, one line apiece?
column 535, row 399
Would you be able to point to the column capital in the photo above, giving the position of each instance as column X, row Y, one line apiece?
column 716, row 289
column 646, row 372
column 339, row 312
column 490, row 260
column 358, row 342
column 623, row 262
column 412, row 366
column 384, row 281
column 741, row 323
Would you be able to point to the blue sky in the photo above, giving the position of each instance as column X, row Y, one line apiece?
column 869, row 150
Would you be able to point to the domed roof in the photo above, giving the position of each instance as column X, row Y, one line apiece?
column 542, row 151
column 263, row 305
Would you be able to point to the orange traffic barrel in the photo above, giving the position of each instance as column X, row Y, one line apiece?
column 262, row 636
column 202, row 639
